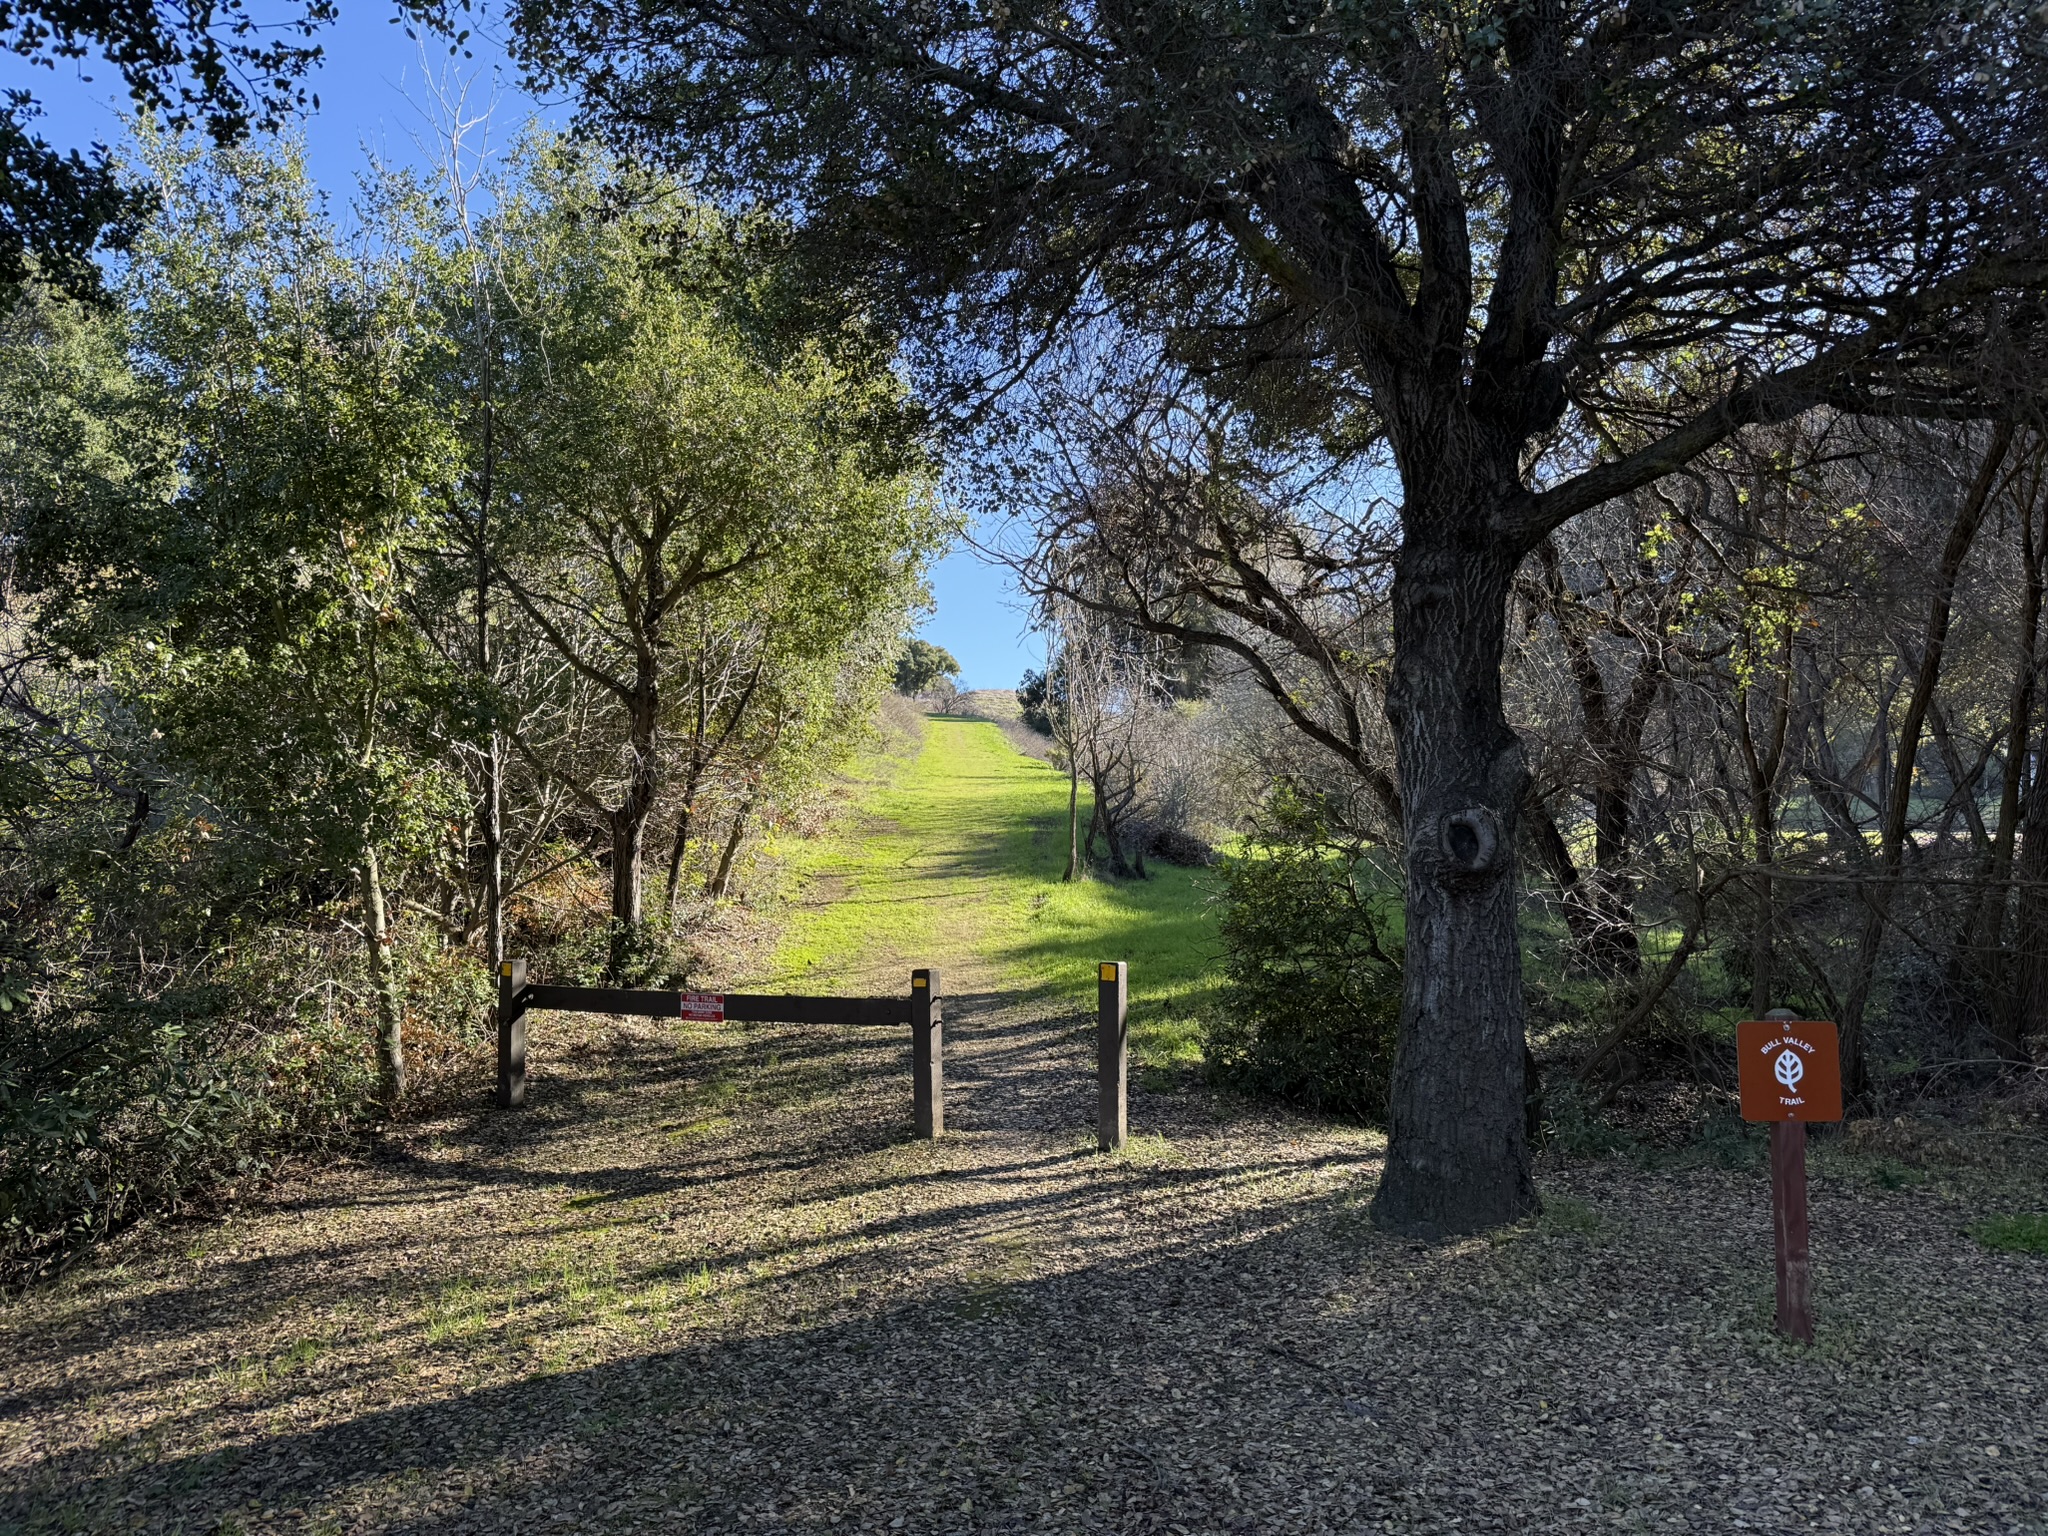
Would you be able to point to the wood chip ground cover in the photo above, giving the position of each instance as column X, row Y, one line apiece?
column 709, row 1283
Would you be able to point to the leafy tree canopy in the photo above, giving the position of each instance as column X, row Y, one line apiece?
column 215, row 65
column 921, row 665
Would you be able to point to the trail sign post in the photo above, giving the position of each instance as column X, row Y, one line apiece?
column 1112, row 1054
column 511, row 1034
column 927, row 1056
column 1789, row 1072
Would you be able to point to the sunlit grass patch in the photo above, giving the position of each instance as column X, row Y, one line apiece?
column 696, row 1129
column 2023, row 1232
column 954, row 860
column 456, row 1313
column 253, row 1373
column 1147, row 1150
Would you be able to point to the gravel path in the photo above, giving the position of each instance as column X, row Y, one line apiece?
column 709, row 1283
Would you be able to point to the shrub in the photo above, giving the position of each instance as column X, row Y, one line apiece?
column 1177, row 845
column 117, row 1106
column 1312, row 993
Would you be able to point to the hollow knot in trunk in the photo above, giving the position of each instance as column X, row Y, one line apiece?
column 1470, row 846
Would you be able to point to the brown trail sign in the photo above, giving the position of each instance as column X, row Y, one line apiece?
column 1790, row 1072
column 919, row 1009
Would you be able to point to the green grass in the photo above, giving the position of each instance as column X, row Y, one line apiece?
column 953, row 859
column 2024, row 1233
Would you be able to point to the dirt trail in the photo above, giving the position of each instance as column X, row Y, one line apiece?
column 708, row 1282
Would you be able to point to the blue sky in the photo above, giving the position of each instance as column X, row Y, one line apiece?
column 372, row 86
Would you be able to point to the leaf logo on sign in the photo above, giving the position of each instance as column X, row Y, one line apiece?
column 1789, row 1069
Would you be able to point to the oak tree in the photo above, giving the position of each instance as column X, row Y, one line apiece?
column 1539, row 253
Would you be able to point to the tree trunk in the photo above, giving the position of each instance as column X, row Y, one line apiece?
column 680, row 848
column 493, row 820
column 629, row 829
column 2029, row 1005
column 1616, row 950
column 1457, row 1148
column 1983, row 933
column 1599, row 910
column 383, row 981
column 492, row 810
column 629, row 887
column 1112, row 830
column 721, row 877
column 1073, row 820
column 1576, row 901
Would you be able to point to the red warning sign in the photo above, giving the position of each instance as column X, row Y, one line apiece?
column 705, row 1007
column 1789, row 1069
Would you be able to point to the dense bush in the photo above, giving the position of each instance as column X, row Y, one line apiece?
column 1312, row 991
column 123, row 1105
column 120, row 1100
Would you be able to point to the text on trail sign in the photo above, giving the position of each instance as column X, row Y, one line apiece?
column 1788, row 1070
column 705, row 1007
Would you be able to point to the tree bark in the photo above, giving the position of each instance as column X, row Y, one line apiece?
column 492, row 810
column 721, row 877
column 679, row 849
column 383, row 980
column 1457, row 1149
column 629, row 823
column 493, row 826
column 1982, row 938
column 2029, row 1005
column 1073, row 820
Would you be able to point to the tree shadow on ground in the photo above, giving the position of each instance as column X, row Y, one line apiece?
column 802, row 1319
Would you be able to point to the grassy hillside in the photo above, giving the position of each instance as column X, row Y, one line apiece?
column 953, row 858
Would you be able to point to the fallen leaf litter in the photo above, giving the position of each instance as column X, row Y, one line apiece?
column 708, row 1282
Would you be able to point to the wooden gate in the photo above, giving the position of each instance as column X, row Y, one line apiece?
column 919, row 1008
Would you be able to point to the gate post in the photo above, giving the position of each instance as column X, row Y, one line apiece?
column 1112, row 1055
column 512, row 1034
column 927, row 1055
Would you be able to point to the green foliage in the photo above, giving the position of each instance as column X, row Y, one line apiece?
column 215, row 64
column 921, row 665
column 2025, row 1232
column 218, row 484
column 120, row 1105
column 302, row 534
column 1312, row 992
column 127, row 1081
column 1040, row 698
